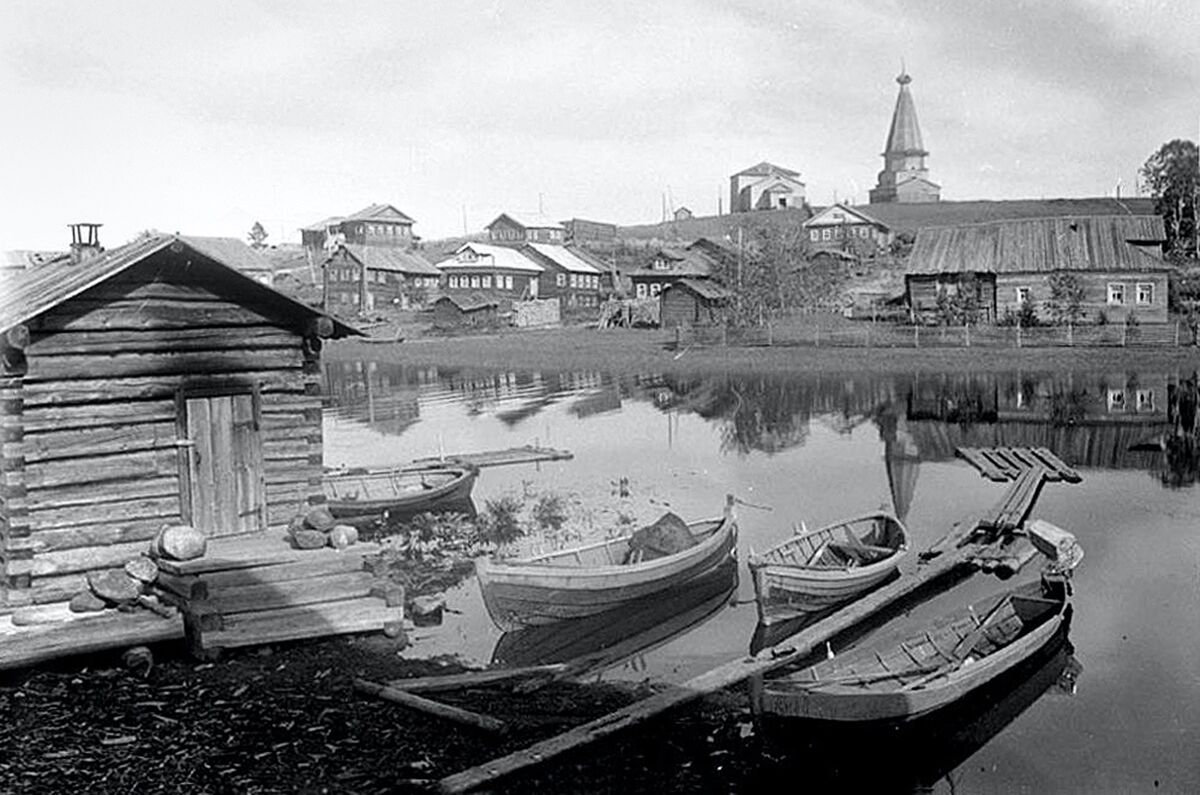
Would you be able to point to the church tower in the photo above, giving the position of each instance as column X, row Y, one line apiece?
column 904, row 177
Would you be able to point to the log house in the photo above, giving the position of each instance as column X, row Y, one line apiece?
column 142, row 386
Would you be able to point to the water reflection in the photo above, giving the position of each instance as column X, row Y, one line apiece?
column 916, row 756
column 622, row 635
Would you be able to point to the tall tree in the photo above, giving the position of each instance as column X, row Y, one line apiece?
column 1172, row 175
column 258, row 235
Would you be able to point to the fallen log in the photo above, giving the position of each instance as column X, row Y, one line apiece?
column 462, row 716
column 432, row 684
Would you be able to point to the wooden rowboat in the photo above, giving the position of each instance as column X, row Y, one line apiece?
column 886, row 679
column 591, row 579
column 813, row 571
column 372, row 493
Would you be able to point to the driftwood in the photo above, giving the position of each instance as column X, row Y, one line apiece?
column 412, row 701
column 433, row 684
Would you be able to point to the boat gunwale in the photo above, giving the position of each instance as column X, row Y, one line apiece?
column 758, row 561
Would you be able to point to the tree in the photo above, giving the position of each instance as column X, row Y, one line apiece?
column 1065, row 304
column 1172, row 175
column 258, row 235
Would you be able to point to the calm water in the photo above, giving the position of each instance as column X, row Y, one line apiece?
column 816, row 449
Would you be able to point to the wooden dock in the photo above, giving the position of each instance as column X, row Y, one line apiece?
column 972, row 544
column 529, row 454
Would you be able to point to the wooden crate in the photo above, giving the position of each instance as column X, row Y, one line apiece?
column 259, row 589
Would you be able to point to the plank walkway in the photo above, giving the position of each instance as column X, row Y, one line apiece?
column 529, row 454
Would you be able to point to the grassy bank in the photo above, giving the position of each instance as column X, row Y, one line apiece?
column 632, row 350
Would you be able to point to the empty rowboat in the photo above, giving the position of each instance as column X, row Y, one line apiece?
column 886, row 679
column 597, row 577
column 814, row 571
column 372, row 493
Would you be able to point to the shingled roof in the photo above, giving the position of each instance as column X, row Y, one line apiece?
column 1041, row 245
column 911, row 217
column 383, row 258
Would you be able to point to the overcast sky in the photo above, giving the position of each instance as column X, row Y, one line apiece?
column 203, row 117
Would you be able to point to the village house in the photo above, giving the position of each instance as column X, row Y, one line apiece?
column 590, row 234
column 1117, row 261
column 361, row 278
column 151, row 384
column 376, row 225
column 510, row 228
column 692, row 303
column 765, row 186
column 682, row 214
column 502, row 272
column 471, row 310
column 841, row 227
column 569, row 276
column 668, row 266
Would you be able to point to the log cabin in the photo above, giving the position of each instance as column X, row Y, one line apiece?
column 146, row 385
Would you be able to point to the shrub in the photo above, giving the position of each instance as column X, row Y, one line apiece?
column 550, row 512
column 500, row 521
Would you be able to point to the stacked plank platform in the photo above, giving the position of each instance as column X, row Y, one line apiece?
column 256, row 589
column 37, row 633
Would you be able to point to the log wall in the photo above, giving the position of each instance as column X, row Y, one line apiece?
column 91, row 464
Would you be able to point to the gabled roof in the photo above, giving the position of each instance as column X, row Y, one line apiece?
column 321, row 226
column 34, row 292
column 230, row 251
column 527, row 221
column 500, row 257
column 563, row 257
column 764, row 169
column 911, row 216
column 703, row 288
column 395, row 260
column 1040, row 245
column 684, row 262
column 717, row 250
column 830, row 216
column 775, row 181
column 379, row 212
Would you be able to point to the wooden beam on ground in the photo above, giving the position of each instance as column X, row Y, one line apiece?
column 433, row 684
column 797, row 647
column 404, row 698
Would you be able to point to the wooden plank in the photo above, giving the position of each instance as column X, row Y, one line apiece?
column 140, row 314
column 261, row 549
column 68, row 561
column 1006, row 464
column 97, row 533
column 528, row 454
column 126, row 341
column 165, row 363
column 248, row 465
column 455, row 714
column 469, row 679
column 225, row 497
column 159, row 508
column 294, row 623
column 286, row 593
column 100, row 470
column 113, row 491
column 54, row 445
column 38, row 394
column 999, row 464
column 797, row 647
column 981, row 463
column 1054, row 462
column 70, row 418
column 108, row 630
column 201, row 472
column 347, row 561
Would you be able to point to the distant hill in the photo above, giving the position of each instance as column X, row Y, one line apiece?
column 714, row 227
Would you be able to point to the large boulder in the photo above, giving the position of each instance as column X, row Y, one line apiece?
column 114, row 586
column 179, row 542
column 320, row 519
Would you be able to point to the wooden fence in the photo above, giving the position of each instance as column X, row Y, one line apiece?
column 881, row 335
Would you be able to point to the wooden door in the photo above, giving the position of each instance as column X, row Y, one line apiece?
column 226, row 491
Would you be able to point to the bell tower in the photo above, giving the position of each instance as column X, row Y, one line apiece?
column 905, row 177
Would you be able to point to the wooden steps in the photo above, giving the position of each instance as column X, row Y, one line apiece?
column 258, row 589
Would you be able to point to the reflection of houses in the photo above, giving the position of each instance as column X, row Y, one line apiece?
column 1115, row 260
column 693, row 302
column 365, row 277
column 465, row 311
column 765, row 186
column 384, row 397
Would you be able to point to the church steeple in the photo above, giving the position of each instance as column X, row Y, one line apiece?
column 904, row 177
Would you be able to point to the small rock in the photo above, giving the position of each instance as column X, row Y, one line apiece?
column 114, row 586
column 308, row 539
column 297, row 524
column 86, row 602
column 426, row 611
column 180, row 542
column 319, row 519
column 342, row 536
column 142, row 568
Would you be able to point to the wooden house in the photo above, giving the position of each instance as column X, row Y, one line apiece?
column 361, row 278
column 841, row 227
column 517, row 228
column 590, row 234
column 1115, row 259
column 374, row 225
column 667, row 266
column 693, row 302
column 502, row 272
column 570, row 276
column 765, row 186
column 465, row 311
column 147, row 385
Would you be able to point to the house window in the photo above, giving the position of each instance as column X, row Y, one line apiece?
column 1145, row 293
column 474, row 281
column 1022, row 295
column 1116, row 400
column 862, row 231
column 826, row 234
column 814, row 235
column 641, row 290
column 487, row 282
column 1145, row 400
column 561, row 279
column 574, row 280
column 655, row 289
column 1116, row 294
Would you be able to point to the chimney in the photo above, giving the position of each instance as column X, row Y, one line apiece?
column 85, row 242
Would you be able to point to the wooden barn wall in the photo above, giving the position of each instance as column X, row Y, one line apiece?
column 1095, row 298
column 101, row 468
